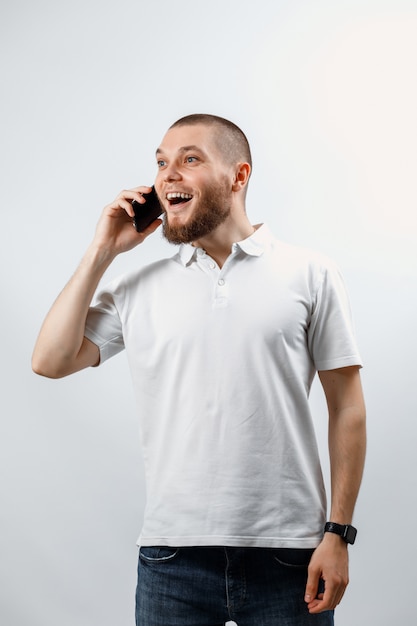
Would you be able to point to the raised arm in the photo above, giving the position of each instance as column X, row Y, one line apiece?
column 61, row 347
column 347, row 443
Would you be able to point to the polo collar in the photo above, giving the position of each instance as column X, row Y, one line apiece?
column 253, row 246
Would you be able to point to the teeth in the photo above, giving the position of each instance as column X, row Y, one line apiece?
column 177, row 194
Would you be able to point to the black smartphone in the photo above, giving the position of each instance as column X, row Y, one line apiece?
column 146, row 213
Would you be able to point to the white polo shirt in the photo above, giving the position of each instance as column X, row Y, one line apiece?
column 222, row 361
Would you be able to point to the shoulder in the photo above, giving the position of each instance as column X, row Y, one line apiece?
column 138, row 278
column 303, row 258
column 146, row 272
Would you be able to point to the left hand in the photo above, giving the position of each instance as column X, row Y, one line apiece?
column 330, row 562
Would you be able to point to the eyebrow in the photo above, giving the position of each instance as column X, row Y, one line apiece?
column 184, row 149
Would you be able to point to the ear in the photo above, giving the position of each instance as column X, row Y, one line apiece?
column 241, row 178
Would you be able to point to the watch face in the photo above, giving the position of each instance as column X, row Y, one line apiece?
column 350, row 534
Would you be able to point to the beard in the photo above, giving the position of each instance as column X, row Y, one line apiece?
column 212, row 210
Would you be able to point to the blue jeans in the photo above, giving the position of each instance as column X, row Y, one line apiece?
column 205, row 586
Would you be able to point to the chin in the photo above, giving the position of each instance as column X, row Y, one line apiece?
column 178, row 219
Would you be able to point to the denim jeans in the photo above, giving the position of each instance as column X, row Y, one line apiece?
column 205, row 586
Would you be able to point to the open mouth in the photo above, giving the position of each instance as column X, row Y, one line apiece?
column 176, row 198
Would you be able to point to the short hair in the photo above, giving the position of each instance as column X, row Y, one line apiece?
column 230, row 139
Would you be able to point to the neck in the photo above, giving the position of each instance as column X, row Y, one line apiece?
column 218, row 244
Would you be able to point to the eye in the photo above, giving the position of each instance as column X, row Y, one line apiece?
column 161, row 163
column 191, row 159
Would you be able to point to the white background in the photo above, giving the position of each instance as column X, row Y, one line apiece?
column 326, row 92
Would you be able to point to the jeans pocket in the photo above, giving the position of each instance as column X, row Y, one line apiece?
column 152, row 554
column 293, row 557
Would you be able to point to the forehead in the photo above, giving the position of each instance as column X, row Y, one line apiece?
column 196, row 136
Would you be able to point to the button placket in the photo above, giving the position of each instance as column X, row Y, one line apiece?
column 207, row 263
column 221, row 297
column 220, row 284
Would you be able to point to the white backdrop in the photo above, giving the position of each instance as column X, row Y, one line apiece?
column 326, row 92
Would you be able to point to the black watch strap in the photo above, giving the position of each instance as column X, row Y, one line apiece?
column 346, row 531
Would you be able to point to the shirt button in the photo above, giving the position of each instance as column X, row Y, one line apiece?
column 221, row 282
column 212, row 266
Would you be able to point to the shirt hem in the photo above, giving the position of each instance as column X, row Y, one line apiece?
column 331, row 364
column 231, row 541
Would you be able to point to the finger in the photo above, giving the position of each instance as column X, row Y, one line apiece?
column 125, row 205
column 142, row 189
column 125, row 198
column 328, row 600
column 137, row 194
column 312, row 585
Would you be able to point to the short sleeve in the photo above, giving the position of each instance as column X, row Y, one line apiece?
column 331, row 334
column 104, row 327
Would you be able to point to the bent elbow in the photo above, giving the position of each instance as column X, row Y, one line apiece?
column 58, row 363
column 44, row 369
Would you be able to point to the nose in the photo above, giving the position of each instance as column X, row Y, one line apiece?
column 171, row 172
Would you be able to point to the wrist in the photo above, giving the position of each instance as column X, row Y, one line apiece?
column 98, row 256
column 346, row 532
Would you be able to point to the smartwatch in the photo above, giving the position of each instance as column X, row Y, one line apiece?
column 346, row 531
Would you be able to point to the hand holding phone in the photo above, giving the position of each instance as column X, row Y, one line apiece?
column 146, row 213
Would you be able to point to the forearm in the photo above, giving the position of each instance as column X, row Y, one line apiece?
column 60, row 349
column 347, row 442
column 347, row 445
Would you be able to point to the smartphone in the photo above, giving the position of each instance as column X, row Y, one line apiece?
column 146, row 213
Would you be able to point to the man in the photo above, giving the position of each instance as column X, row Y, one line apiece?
column 223, row 341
